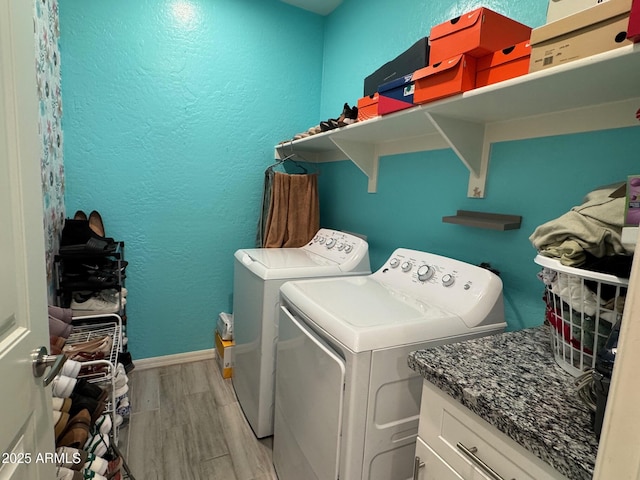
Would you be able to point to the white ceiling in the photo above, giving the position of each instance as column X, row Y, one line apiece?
column 321, row 7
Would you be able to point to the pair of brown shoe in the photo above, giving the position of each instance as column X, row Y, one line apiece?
column 95, row 221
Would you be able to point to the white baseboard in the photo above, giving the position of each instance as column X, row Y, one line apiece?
column 166, row 360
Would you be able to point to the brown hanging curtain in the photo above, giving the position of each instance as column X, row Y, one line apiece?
column 293, row 215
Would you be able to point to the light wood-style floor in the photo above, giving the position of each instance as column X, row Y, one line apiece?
column 186, row 424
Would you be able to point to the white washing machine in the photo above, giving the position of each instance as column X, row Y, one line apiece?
column 347, row 404
column 258, row 275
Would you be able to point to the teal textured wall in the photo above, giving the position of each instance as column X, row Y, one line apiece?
column 539, row 179
column 172, row 109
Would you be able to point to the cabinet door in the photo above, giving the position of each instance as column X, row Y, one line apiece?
column 434, row 468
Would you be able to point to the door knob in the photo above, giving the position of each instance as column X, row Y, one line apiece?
column 41, row 360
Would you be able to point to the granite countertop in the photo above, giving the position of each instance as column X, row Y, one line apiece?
column 512, row 381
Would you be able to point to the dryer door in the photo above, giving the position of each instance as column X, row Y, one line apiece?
column 309, row 403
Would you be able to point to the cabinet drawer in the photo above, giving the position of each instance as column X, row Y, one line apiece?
column 460, row 439
column 447, row 426
column 434, row 468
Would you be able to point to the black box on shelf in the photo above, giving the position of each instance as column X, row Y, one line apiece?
column 412, row 59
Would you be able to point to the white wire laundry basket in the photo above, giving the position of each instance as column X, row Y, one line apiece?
column 581, row 307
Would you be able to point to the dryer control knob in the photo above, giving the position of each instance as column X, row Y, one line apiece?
column 394, row 263
column 348, row 248
column 448, row 280
column 406, row 266
column 321, row 240
column 340, row 246
column 331, row 243
column 425, row 272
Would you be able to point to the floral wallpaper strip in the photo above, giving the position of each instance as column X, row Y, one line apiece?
column 47, row 31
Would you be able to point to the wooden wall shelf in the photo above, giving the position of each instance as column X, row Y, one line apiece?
column 493, row 221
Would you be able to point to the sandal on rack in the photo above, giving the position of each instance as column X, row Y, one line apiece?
column 102, row 344
column 114, row 467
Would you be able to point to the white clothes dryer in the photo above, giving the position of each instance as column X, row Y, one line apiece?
column 258, row 275
column 347, row 404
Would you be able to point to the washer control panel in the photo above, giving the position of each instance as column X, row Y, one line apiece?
column 337, row 246
column 425, row 268
column 436, row 280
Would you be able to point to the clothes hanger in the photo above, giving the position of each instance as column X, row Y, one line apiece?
column 290, row 158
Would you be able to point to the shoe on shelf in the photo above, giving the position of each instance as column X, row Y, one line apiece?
column 76, row 432
column 78, row 237
column 94, row 306
column 112, row 295
column 95, row 223
column 97, row 345
column 97, row 444
column 349, row 115
column 63, row 386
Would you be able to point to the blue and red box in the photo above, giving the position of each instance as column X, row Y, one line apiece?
column 396, row 95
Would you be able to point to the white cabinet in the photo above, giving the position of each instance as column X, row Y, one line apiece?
column 453, row 442
column 595, row 93
column 429, row 466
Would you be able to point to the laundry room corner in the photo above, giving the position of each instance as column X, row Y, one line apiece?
column 172, row 109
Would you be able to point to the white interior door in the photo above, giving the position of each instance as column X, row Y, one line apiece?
column 26, row 432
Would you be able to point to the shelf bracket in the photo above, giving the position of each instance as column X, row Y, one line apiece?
column 467, row 139
column 365, row 156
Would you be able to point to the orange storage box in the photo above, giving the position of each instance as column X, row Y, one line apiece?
column 503, row 64
column 477, row 33
column 368, row 107
column 443, row 79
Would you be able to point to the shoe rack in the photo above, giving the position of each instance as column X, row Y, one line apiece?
column 103, row 369
column 90, row 272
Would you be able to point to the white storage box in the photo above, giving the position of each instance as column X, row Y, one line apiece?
column 225, row 326
column 582, row 307
column 558, row 9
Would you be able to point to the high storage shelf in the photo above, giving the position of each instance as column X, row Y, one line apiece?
column 595, row 93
